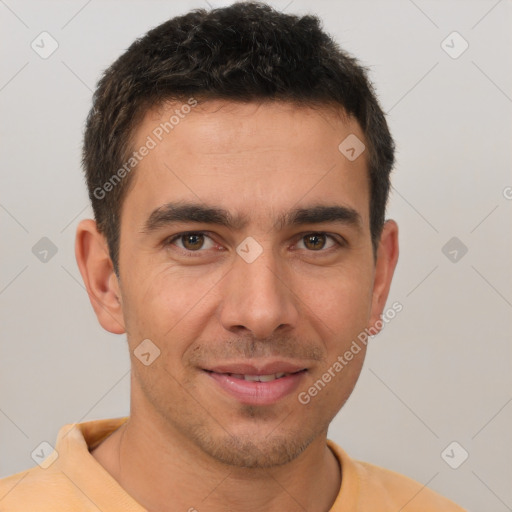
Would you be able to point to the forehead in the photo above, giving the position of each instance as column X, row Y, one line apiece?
column 256, row 160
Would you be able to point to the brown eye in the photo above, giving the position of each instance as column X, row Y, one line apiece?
column 314, row 241
column 192, row 241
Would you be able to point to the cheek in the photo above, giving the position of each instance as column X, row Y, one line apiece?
column 166, row 304
column 339, row 300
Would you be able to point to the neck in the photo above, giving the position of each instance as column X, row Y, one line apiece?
column 162, row 472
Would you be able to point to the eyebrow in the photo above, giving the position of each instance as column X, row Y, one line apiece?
column 174, row 212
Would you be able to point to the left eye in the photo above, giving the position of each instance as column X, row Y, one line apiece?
column 317, row 241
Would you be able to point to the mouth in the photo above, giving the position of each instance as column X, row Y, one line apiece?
column 260, row 378
column 257, row 386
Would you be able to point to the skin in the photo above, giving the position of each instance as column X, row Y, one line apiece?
column 187, row 443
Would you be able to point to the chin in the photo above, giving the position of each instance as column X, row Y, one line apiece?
column 258, row 450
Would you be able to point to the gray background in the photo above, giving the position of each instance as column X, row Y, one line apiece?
column 439, row 372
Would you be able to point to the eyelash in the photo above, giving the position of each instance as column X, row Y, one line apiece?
column 340, row 242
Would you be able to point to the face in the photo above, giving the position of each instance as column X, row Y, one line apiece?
column 246, row 259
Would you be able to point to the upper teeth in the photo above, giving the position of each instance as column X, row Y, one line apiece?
column 260, row 378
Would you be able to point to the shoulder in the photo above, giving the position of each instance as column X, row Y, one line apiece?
column 69, row 478
column 373, row 487
column 401, row 491
column 23, row 491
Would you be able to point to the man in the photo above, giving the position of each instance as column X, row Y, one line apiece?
column 238, row 166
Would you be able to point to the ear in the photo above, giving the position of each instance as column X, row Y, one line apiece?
column 387, row 257
column 101, row 283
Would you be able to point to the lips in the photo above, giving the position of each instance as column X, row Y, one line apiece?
column 262, row 384
column 260, row 378
column 269, row 368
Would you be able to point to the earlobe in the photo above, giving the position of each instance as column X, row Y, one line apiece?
column 387, row 257
column 97, row 272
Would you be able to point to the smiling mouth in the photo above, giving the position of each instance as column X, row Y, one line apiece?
column 257, row 382
column 258, row 378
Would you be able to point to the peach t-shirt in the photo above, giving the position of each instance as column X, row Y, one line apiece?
column 75, row 481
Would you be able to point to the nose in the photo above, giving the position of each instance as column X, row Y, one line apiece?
column 258, row 297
